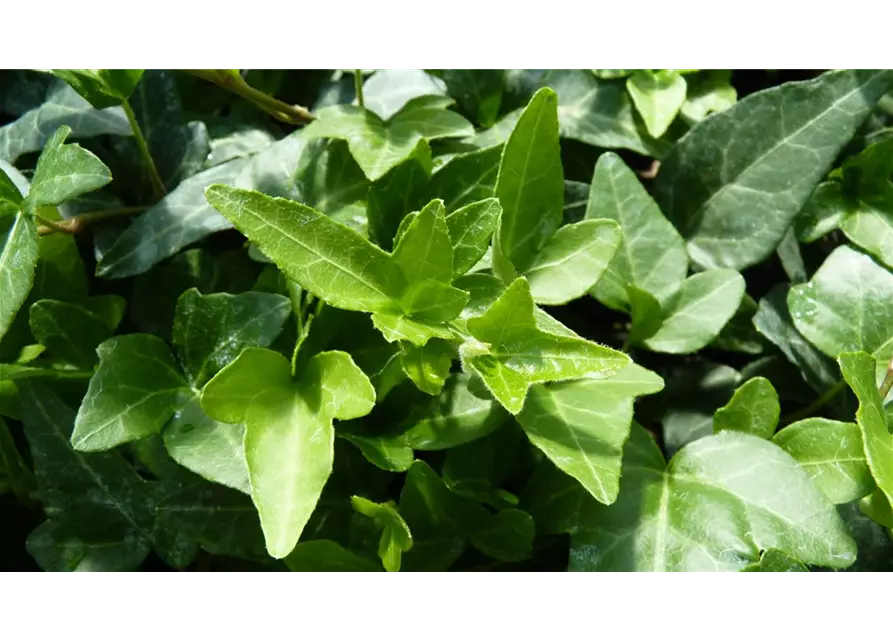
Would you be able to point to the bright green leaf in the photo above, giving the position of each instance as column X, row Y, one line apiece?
column 69, row 331
column 102, row 88
column 658, row 96
column 753, row 409
column 395, row 536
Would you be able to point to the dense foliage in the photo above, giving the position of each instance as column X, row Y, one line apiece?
column 587, row 320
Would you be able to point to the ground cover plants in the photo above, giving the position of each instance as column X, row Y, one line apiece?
column 430, row 320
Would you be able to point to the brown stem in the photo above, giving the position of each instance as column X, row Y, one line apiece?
column 289, row 113
column 81, row 222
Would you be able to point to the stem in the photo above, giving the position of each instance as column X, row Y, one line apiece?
column 290, row 113
column 81, row 222
column 157, row 184
column 887, row 384
column 820, row 402
column 358, row 84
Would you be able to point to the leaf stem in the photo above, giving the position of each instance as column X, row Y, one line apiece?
column 887, row 384
column 154, row 177
column 234, row 82
column 81, row 222
column 358, row 85
column 819, row 402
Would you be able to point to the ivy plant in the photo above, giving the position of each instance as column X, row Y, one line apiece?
column 430, row 320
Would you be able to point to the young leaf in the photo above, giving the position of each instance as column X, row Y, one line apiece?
column 530, row 185
column 518, row 354
column 402, row 190
column 326, row 258
column 184, row 216
column 658, row 96
column 429, row 365
column 652, row 253
column 645, row 313
column 387, row 91
column 468, row 177
column 69, row 331
column 698, row 311
column 832, row 454
column 764, row 154
column 859, row 371
column 64, row 172
column 478, row 91
column 126, row 401
column 211, row 330
column 102, row 88
column 470, row 229
column 378, row 145
column 17, row 262
column 10, row 198
column 730, row 478
column 395, row 536
column 582, row 426
column 844, row 307
column 774, row 561
column 753, row 409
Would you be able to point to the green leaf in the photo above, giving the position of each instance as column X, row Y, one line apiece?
column 96, row 497
column 102, row 88
column 429, row 365
column 425, row 251
column 387, row 91
column 658, row 96
column 697, row 312
column 774, row 561
column 478, row 91
column 753, row 409
column 63, row 107
column 56, row 548
column 467, row 177
column 14, row 473
column 507, row 536
column 378, row 145
column 652, row 253
column 212, row 449
column 126, row 401
column 395, row 536
column 64, row 172
column 832, row 454
column 289, row 438
column 211, row 330
column 730, row 478
column 822, row 213
column 441, row 522
column 470, row 228
column 766, row 153
column 418, row 332
column 582, row 426
column 516, row 353
column 326, row 258
column 708, row 93
column 325, row 555
column 844, row 307
column 10, row 198
column 181, row 218
column 69, row 331
column 17, row 263
column 530, row 185
column 858, row 370
column 400, row 191
column 877, row 507
column 645, row 313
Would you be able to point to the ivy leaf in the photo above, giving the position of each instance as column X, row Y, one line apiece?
column 658, row 96
column 15, row 475
column 63, row 107
column 858, row 370
column 831, row 453
column 822, row 213
column 212, row 449
column 844, row 307
column 102, row 88
column 753, row 409
column 395, row 536
column 10, row 198
column 766, row 153
column 126, row 402
column 652, row 253
column 179, row 219
column 478, row 91
column 425, row 251
column 55, row 547
column 379, row 145
column 774, row 561
column 17, row 263
column 645, row 313
column 696, row 313
column 428, row 365
column 211, row 330
column 467, row 177
column 289, row 438
column 387, row 91
column 582, row 426
column 519, row 354
column 400, row 191
column 64, row 171
column 707, row 93
column 733, row 477
column 326, row 258
column 69, row 331
column 325, row 555
column 507, row 536
column 470, row 228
